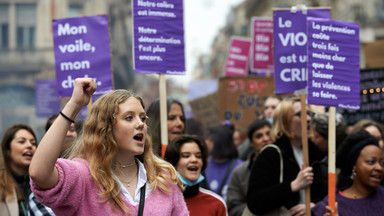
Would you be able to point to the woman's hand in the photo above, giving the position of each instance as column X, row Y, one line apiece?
column 297, row 210
column 304, row 179
column 329, row 211
column 82, row 91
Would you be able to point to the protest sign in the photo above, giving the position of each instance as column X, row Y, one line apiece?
column 238, row 57
column 241, row 99
column 47, row 102
column 205, row 109
column 371, row 97
column 81, row 47
column 261, row 47
column 158, row 37
column 290, row 47
column 333, row 55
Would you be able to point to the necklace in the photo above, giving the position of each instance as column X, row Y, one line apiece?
column 124, row 165
column 129, row 182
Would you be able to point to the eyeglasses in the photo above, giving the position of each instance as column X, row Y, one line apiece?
column 309, row 113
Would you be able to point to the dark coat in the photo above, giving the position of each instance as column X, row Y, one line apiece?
column 265, row 192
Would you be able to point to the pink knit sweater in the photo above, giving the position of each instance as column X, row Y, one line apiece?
column 76, row 194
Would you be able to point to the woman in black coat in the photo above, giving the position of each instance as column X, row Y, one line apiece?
column 265, row 192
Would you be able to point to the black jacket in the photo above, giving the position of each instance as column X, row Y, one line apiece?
column 265, row 192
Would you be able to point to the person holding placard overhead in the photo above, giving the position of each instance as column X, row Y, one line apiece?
column 361, row 159
column 278, row 180
column 111, row 169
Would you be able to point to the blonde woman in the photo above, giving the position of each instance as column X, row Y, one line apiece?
column 111, row 168
column 266, row 192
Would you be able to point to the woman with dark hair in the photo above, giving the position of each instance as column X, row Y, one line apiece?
column 17, row 149
column 189, row 155
column 175, row 122
column 361, row 164
column 258, row 135
column 275, row 187
column 223, row 158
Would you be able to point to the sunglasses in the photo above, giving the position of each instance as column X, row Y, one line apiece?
column 309, row 113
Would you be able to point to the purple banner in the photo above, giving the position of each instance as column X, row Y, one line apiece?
column 47, row 102
column 290, row 48
column 81, row 48
column 238, row 57
column 158, row 30
column 262, row 51
column 333, row 63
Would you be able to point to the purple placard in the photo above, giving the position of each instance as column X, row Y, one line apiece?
column 238, row 57
column 81, row 48
column 290, row 48
column 261, row 48
column 158, row 30
column 333, row 63
column 47, row 102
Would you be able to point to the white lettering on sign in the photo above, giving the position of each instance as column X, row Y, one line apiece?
column 293, row 74
column 293, row 39
column 76, row 65
column 66, row 29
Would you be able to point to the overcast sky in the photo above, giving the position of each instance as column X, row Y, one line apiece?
column 202, row 21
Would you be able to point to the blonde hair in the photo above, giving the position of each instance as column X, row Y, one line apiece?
column 282, row 119
column 97, row 146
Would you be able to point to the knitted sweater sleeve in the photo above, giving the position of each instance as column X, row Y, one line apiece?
column 68, row 193
column 178, row 204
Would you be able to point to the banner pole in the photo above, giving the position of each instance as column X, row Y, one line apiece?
column 304, row 138
column 163, row 114
column 332, row 158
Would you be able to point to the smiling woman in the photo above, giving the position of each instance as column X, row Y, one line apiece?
column 175, row 122
column 189, row 155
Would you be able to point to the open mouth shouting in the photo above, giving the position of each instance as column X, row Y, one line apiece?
column 139, row 137
column 28, row 155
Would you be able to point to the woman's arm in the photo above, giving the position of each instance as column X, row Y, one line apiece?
column 42, row 169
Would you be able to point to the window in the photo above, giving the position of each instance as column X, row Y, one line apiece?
column 4, row 26
column 75, row 10
column 25, row 25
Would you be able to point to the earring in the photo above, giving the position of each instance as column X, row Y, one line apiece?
column 353, row 174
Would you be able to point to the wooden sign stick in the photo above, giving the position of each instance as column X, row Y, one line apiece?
column 163, row 114
column 332, row 158
column 304, row 138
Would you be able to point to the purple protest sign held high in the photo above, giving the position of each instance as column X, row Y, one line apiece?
column 81, row 48
column 290, row 47
column 158, row 30
column 333, row 63
column 238, row 56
